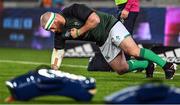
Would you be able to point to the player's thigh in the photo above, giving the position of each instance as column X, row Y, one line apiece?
column 120, row 37
column 129, row 46
column 119, row 63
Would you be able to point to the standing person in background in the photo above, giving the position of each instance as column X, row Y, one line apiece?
column 127, row 12
column 1, row 7
column 1, row 4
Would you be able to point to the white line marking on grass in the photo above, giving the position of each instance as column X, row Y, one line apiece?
column 163, row 73
column 39, row 63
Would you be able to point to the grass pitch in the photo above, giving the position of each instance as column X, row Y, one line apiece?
column 14, row 62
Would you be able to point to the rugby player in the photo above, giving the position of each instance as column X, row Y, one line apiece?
column 79, row 22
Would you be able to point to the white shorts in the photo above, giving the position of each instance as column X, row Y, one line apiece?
column 110, row 49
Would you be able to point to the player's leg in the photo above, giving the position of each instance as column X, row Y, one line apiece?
column 112, row 47
column 113, row 55
column 125, row 42
column 130, row 47
column 121, row 66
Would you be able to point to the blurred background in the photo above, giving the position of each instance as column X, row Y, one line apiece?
column 157, row 23
column 24, row 44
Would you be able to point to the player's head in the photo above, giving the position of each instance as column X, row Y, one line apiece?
column 51, row 21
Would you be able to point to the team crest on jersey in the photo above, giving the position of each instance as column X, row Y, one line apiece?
column 118, row 37
column 107, row 57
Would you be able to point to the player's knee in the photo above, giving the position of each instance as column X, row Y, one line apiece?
column 120, row 72
column 134, row 52
column 121, row 69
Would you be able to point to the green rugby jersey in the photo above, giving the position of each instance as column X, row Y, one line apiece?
column 98, row 34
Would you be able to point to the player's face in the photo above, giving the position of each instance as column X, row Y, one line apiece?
column 55, row 26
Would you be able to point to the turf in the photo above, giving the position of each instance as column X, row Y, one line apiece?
column 106, row 82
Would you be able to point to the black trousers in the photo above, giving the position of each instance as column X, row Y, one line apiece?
column 129, row 22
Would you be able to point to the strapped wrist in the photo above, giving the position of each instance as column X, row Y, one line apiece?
column 56, row 58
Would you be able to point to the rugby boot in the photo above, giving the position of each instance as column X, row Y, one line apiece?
column 169, row 69
column 150, row 70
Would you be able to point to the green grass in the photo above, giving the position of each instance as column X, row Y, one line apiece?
column 106, row 82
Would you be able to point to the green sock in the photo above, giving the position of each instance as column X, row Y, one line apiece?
column 137, row 64
column 151, row 56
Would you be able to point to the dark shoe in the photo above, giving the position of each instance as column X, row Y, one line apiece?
column 169, row 69
column 150, row 70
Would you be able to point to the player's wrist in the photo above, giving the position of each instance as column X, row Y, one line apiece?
column 77, row 33
column 56, row 58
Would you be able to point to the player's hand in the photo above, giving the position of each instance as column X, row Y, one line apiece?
column 124, row 14
column 54, row 67
column 75, row 32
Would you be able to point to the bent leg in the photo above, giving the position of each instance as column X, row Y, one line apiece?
column 127, row 44
column 130, row 47
column 120, row 65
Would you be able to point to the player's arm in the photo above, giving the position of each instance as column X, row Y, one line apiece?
column 85, row 14
column 92, row 21
column 56, row 58
column 58, row 52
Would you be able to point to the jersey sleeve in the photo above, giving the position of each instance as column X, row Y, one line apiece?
column 59, row 42
column 79, row 11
